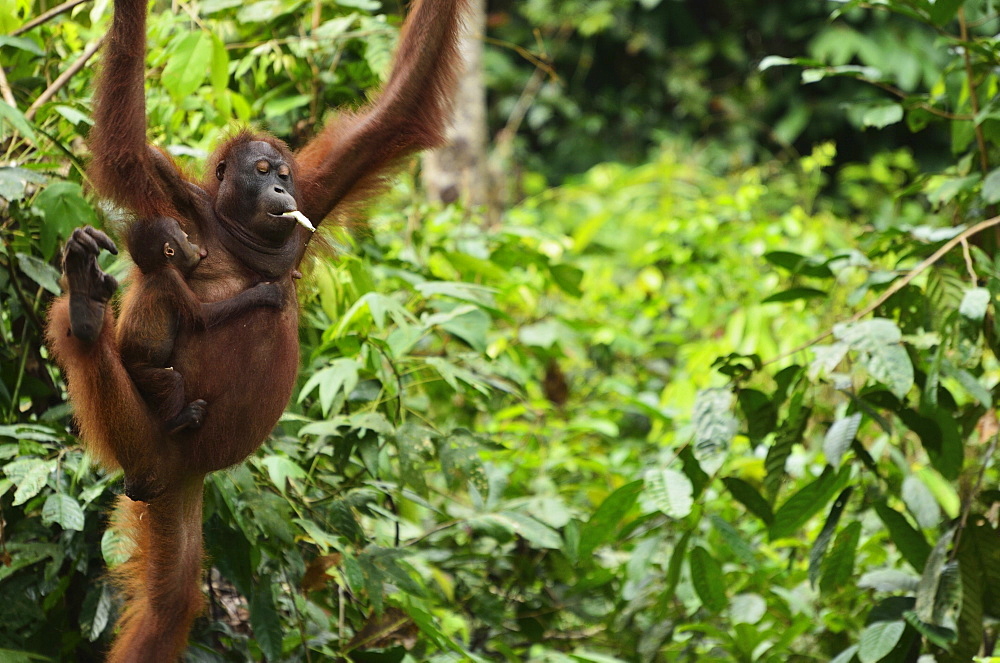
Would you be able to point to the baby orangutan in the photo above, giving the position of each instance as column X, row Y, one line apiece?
column 165, row 256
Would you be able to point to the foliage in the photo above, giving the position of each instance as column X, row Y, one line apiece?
column 656, row 414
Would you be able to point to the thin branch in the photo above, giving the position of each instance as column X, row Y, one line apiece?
column 967, row 254
column 64, row 78
column 5, row 91
column 47, row 16
column 536, row 62
column 933, row 110
column 897, row 285
column 973, row 95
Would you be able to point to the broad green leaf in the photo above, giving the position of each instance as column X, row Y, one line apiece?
column 16, row 119
column 64, row 208
column 879, row 343
column 975, row 301
column 878, row 640
column 789, row 433
column 532, row 530
column 14, row 182
column 747, row 608
column 920, row 502
column 805, row 503
column 943, row 11
column 603, row 524
column 838, row 566
column 889, row 580
column 264, row 620
column 541, row 334
column 282, row 470
column 939, row 589
column 30, row 476
column 96, row 612
column 881, row 115
column 706, row 576
column 713, row 421
column 188, row 65
column 22, row 43
column 846, row 656
column 818, row 550
column 64, row 511
column 317, row 535
column 911, row 543
column 340, row 377
column 676, row 563
column 972, row 592
column 838, row 439
column 795, row 294
column 748, row 496
column 670, row 491
column 40, row 272
column 991, row 187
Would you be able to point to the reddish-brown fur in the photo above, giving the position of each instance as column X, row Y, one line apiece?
column 246, row 368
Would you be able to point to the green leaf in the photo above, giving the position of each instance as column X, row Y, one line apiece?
column 282, row 470
column 603, row 524
column 188, row 65
column 533, row 531
column 63, row 510
column 805, row 503
column 818, row 550
column 40, row 272
column 759, row 411
column 974, row 304
column 881, row 115
column 670, row 491
column 920, row 502
column 927, row 603
column 30, row 476
column 64, row 208
column 789, row 433
column 795, row 294
column 943, row 11
column 675, row 565
column 991, row 187
column 14, row 182
column 748, row 496
column 878, row 640
column 911, row 543
column 264, row 620
column 22, row 43
column 838, row 566
column 568, row 278
column 468, row 323
column 16, row 119
column 879, row 342
column 96, row 611
column 838, row 439
column 706, row 576
column 340, row 377
column 799, row 264
column 713, row 421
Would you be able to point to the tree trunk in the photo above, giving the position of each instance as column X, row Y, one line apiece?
column 458, row 171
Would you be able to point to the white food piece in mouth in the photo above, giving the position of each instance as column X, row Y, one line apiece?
column 301, row 219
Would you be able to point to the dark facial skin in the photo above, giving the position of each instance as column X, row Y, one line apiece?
column 256, row 188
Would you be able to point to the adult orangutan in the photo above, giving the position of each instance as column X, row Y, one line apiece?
column 245, row 367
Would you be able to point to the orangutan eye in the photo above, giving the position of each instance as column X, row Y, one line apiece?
column 263, row 167
column 168, row 250
column 284, row 171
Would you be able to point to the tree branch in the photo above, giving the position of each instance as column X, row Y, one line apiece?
column 64, row 78
column 897, row 285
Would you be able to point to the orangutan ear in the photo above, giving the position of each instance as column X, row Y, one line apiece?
column 220, row 170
